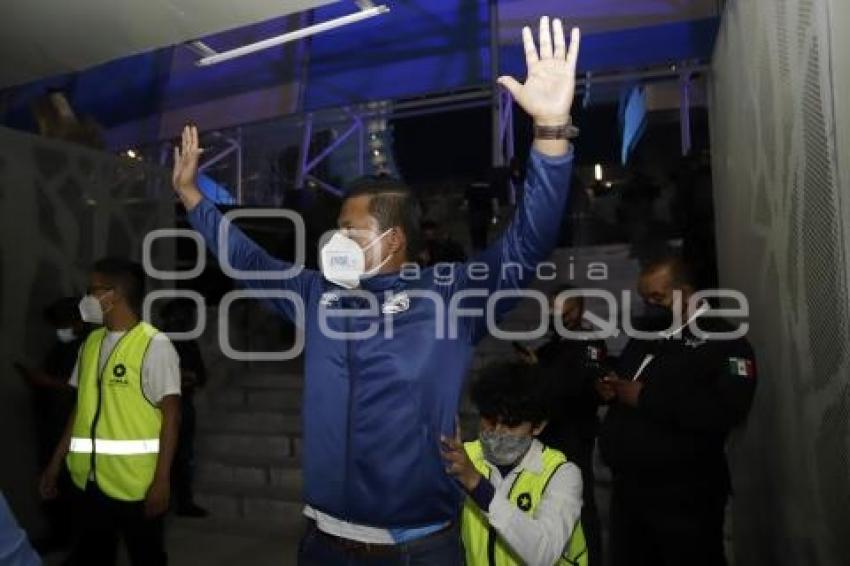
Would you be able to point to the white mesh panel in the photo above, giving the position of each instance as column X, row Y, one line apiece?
column 782, row 239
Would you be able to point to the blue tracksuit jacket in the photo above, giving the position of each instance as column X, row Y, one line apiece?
column 375, row 407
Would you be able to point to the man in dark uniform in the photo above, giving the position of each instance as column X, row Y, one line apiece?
column 674, row 401
column 573, row 367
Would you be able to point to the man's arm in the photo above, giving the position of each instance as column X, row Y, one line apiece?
column 547, row 96
column 47, row 486
column 15, row 547
column 156, row 501
column 41, row 379
column 541, row 539
column 161, row 385
column 531, row 234
column 716, row 406
column 242, row 253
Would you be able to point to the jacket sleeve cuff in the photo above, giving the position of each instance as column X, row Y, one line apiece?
column 483, row 494
column 500, row 512
column 554, row 159
column 194, row 215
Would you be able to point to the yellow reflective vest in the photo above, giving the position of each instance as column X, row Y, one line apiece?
column 115, row 439
column 483, row 545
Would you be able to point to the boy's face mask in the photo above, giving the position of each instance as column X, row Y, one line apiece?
column 502, row 448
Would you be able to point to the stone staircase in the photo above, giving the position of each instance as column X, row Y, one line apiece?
column 248, row 450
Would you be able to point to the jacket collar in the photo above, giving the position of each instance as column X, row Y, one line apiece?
column 703, row 308
column 382, row 282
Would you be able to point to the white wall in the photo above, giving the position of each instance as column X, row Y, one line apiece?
column 780, row 133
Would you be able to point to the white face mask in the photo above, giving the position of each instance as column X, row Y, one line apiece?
column 90, row 310
column 65, row 335
column 344, row 261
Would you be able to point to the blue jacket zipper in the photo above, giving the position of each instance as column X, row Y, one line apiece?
column 351, row 383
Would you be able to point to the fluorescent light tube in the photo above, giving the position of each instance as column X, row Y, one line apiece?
column 292, row 36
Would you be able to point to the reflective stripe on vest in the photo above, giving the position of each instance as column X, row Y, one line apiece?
column 116, row 429
column 481, row 542
column 122, row 447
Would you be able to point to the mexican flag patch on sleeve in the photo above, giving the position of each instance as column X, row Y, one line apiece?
column 742, row 367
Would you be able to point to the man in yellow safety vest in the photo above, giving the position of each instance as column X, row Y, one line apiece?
column 524, row 498
column 120, row 439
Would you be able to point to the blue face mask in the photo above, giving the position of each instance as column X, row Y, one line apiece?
column 503, row 449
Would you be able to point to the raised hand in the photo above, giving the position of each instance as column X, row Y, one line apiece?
column 458, row 464
column 185, row 173
column 548, row 91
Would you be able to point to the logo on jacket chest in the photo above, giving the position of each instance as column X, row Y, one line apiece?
column 393, row 304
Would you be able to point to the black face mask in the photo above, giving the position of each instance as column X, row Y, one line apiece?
column 656, row 318
column 554, row 324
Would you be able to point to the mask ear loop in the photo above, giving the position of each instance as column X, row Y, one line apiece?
column 111, row 304
column 378, row 239
column 375, row 269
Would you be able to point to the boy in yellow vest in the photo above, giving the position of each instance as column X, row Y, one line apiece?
column 524, row 499
column 120, row 439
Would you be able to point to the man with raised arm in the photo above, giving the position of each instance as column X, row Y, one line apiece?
column 375, row 408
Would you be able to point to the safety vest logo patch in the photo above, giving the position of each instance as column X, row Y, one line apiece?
column 524, row 502
column 119, row 374
column 742, row 367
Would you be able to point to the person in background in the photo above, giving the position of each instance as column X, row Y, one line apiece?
column 122, row 433
column 574, row 367
column 53, row 400
column 675, row 400
column 437, row 248
column 524, row 498
column 180, row 315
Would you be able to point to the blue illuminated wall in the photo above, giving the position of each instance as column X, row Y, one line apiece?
column 417, row 48
column 149, row 84
column 634, row 48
